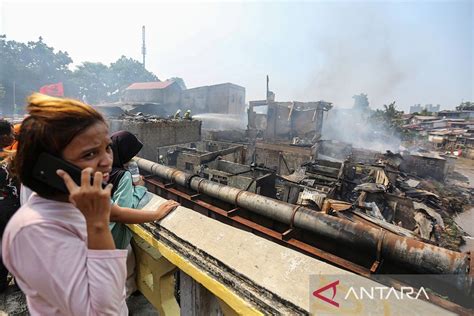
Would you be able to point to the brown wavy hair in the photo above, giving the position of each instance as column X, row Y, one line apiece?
column 51, row 125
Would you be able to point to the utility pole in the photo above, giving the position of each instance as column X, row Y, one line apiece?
column 143, row 45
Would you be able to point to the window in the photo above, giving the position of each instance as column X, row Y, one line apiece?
column 188, row 166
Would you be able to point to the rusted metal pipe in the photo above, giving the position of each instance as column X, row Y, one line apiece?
column 420, row 256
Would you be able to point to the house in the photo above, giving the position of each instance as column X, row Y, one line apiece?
column 164, row 93
column 425, row 165
column 418, row 119
column 466, row 114
column 225, row 98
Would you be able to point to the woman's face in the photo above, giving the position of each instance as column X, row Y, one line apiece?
column 91, row 148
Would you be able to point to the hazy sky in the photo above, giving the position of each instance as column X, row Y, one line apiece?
column 407, row 51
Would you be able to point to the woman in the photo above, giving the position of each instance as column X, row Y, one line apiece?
column 59, row 246
column 14, row 144
column 125, row 193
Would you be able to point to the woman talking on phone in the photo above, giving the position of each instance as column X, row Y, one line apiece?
column 58, row 245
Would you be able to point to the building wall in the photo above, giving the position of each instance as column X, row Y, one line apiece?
column 141, row 95
column 172, row 96
column 236, row 100
column 169, row 96
column 195, row 99
column 425, row 167
column 282, row 157
column 158, row 134
column 224, row 98
column 218, row 99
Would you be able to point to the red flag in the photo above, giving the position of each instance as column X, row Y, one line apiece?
column 54, row 90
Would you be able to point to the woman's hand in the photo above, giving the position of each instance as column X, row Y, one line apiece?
column 94, row 203
column 140, row 182
column 128, row 215
column 165, row 208
column 91, row 199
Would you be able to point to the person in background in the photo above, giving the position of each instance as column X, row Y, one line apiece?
column 9, row 197
column 16, row 132
column 126, row 193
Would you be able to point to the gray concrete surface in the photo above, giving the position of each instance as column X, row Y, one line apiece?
column 279, row 274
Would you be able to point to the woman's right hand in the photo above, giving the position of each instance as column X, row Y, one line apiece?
column 91, row 199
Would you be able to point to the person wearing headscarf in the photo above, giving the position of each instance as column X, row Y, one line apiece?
column 125, row 193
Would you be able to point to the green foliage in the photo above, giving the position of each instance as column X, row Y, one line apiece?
column 27, row 67
column 361, row 102
column 388, row 118
column 179, row 81
column 465, row 106
column 2, row 92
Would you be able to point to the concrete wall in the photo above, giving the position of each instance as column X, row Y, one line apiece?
column 195, row 99
column 172, row 96
column 226, row 98
column 142, row 95
column 169, row 96
column 236, row 99
column 282, row 157
column 160, row 133
column 425, row 167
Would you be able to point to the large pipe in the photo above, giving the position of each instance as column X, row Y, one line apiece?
column 422, row 257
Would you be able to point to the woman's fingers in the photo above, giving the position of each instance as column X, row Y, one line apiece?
column 70, row 184
column 98, row 177
column 86, row 177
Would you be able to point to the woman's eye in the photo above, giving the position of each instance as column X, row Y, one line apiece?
column 89, row 155
column 109, row 148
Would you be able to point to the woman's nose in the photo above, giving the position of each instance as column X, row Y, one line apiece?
column 106, row 160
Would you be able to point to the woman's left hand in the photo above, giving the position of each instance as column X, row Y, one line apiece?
column 140, row 182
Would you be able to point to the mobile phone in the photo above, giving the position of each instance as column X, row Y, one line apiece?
column 46, row 167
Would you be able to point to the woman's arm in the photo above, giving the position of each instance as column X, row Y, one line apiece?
column 134, row 216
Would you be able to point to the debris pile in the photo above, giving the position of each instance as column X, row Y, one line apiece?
column 377, row 193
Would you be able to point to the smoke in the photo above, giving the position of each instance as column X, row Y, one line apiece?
column 219, row 121
column 354, row 126
column 358, row 54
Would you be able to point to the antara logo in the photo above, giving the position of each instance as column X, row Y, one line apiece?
column 332, row 286
column 374, row 292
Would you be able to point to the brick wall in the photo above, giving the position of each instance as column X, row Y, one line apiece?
column 158, row 134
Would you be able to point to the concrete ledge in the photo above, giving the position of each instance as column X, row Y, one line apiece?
column 270, row 277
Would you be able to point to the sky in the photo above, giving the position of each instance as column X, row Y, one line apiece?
column 405, row 51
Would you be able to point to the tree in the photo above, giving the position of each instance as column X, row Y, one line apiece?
column 388, row 117
column 91, row 82
column 465, row 106
column 361, row 102
column 179, row 81
column 126, row 71
column 2, row 92
column 27, row 67
column 425, row 112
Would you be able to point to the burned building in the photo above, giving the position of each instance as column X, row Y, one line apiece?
column 294, row 121
column 165, row 95
column 155, row 133
column 225, row 98
column 426, row 165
